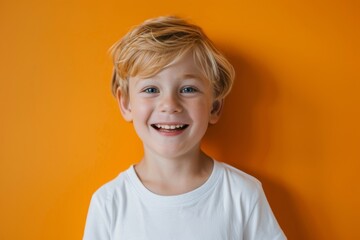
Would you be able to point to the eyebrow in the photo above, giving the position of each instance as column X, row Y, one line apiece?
column 186, row 76
column 190, row 76
column 182, row 77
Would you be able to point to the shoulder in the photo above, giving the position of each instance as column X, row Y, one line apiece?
column 111, row 191
column 240, row 182
column 239, row 177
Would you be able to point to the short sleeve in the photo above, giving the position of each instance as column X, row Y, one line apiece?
column 98, row 221
column 262, row 223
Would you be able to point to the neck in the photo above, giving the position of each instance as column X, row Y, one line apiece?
column 179, row 174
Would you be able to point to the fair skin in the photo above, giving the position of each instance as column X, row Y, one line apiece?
column 170, row 113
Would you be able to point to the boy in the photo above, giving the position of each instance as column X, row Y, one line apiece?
column 170, row 82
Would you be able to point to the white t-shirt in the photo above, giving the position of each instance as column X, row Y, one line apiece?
column 230, row 205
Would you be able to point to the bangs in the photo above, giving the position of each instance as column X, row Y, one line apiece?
column 148, row 63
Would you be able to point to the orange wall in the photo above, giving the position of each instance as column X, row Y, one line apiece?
column 292, row 120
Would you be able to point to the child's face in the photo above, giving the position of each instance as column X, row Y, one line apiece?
column 171, row 110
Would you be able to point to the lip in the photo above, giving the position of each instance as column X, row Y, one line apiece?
column 170, row 129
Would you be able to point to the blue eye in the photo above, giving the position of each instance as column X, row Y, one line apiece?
column 188, row 90
column 151, row 90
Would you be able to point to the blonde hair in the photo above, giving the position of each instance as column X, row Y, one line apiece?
column 146, row 49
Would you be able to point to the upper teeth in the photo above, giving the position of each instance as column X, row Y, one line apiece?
column 169, row 126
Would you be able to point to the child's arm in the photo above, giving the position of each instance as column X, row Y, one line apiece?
column 262, row 223
column 98, row 220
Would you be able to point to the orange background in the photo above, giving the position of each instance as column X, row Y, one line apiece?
column 292, row 119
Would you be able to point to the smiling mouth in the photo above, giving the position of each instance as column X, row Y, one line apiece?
column 169, row 127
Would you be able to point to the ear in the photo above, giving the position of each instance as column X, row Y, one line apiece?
column 216, row 111
column 124, row 105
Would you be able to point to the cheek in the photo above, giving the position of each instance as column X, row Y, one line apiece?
column 140, row 107
column 201, row 110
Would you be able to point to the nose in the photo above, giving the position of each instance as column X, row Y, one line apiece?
column 170, row 103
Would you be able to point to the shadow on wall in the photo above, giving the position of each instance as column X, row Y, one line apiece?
column 245, row 146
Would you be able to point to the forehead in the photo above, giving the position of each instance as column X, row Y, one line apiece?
column 184, row 66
